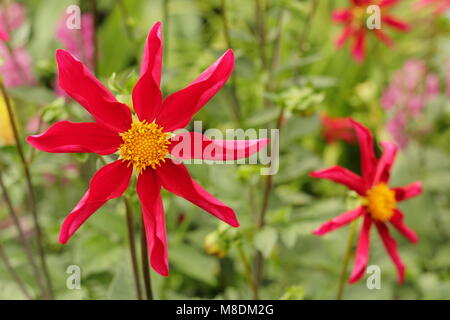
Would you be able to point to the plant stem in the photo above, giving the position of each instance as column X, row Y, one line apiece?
column 131, row 240
column 261, row 30
column 233, row 89
column 248, row 272
column 166, row 15
column 270, row 86
column 31, row 195
column 22, row 237
column 307, row 25
column 14, row 274
column 93, row 9
column 145, row 264
column 345, row 262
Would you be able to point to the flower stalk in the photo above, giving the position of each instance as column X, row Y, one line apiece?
column 14, row 274
column 31, row 194
column 346, row 260
column 22, row 237
column 131, row 240
column 145, row 264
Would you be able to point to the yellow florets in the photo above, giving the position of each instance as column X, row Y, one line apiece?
column 380, row 202
column 144, row 145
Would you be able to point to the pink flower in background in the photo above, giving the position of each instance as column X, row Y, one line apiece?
column 406, row 96
column 79, row 42
column 11, row 19
column 16, row 67
column 440, row 6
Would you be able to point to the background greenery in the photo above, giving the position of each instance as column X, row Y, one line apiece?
column 304, row 74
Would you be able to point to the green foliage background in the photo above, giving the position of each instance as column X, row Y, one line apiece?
column 310, row 76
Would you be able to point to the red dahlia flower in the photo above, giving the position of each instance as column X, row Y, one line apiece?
column 142, row 142
column 379, row 201
column 354, row 20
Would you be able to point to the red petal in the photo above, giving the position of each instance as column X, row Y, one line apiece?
column 361, row 2
column 176, row 179
column 149, row 192
column 395, row 23
column 70, row 137
column 339, row 221
column 384, row 37
column 391, row 247
column 410, row 191
column 359, row 50
column 108, row 183
column 179, row 108
column 194, row 145
column 343, row 176
column 385, row 163
column 368, row 158
column 346, row 33
column 147, row 97
column 343, row 15
column 82, row 86
column 362, row 251
column 399, row 224
column 387, row 3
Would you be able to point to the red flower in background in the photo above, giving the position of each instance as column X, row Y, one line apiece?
column 334, row 129
column 143, row 143
column 379, row 201
column 354, row 20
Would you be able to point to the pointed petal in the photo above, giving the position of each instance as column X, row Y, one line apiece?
column 176, row 179
column 362, row 251
column 339, row 221
column 397, row 221
column 346, row 33
column 391, row 247
column 147, row 96
column 384, row 37
column 342, row 176
column 179, row 108
column 342, row 15
column 395, row 23
column 149, row 192
column 368, row 158
column 194, row 145
column 359, row 49
column 108, row 183
column 71, row 137
column 385, row 163
column 388, row 3
column 410, row 191
column 76, row 80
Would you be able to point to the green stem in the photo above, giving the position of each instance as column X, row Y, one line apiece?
column 31, row 195
column 166, row 20
column 22, row 237
column 13, row 272
column 236, row 109
column 345, row 262
column 248, row 272
column 261, row 31
column 145, row 264
column 131, row 240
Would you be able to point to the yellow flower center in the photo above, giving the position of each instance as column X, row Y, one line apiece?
column 144, row 145
column 380, row 202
